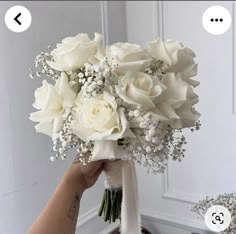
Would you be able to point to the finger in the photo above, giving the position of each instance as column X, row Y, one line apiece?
column 94, row 166
column 98, row 172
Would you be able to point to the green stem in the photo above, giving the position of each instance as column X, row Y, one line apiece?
column 110, row 208
column 102, row 206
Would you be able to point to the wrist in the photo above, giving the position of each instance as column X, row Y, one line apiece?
column 76, row 178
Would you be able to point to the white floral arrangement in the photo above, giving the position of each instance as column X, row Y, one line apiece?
column 227, row 200
column 124, row 103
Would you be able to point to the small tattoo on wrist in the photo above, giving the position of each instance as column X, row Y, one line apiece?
column 74, row 207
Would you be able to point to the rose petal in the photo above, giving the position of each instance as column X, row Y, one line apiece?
column 41, row 95
column 167, row 110
column 65, row 91
column 159, row 115
column 172, row 46
column 158, row 50
column 110, row 135
column 176, row 92
column 45, row 128
column 81, row 131
column 73, row 52
column 188, row 115
column 140, row 65
column 133, row 93
column 43, row 116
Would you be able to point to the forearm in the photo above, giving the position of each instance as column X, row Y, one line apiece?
column 61, row 213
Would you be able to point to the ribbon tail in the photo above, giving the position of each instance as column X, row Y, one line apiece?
column 130, row 215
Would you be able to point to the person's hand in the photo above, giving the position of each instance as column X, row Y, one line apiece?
column 89, row 173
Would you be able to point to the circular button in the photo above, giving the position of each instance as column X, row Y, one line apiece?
column 217, row 218
column 18, row 19
column 216, row 20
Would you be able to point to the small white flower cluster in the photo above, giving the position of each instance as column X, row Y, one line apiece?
column 84, row 151
column 91, row 80
column 159, row 143
column 158, row 68
column 66, row 139
column 94, row 78
column 43, row 68
column 227, row 200
column 109, row 72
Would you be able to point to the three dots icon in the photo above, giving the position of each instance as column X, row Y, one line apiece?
column 216, row 20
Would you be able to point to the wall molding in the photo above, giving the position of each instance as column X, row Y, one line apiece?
column 91, row 219
column 158, row 30
column 233, row 58
column 111, row 227
column 158, row 19
column 182, row 197
column 160, row 10
column 104, row 17
column 87, row 217
column 155, row 19
column 173, row 221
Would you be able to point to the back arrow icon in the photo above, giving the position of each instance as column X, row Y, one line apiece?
column 16, row 19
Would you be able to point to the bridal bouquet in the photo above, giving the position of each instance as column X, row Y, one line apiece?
column 124, row 103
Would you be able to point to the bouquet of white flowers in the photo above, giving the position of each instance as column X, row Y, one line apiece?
column 124, row 103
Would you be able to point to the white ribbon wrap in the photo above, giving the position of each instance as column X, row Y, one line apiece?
column 113, row 172
column 130, row 216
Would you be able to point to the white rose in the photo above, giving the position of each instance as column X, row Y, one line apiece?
column 177, row 57
column 74, row 52
column 51, row 101
column 101, row 121
column 178, row 101
column 129, row 57
column 140, row 89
